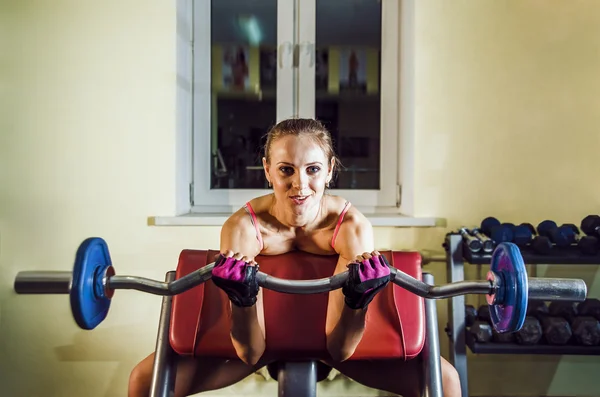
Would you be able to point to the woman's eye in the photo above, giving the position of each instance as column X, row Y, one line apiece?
column 286, row 170
column 314, row 169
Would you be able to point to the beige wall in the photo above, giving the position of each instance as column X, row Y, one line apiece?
column 506, row 114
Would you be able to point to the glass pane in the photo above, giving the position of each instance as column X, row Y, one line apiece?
column 347, row 68
column 243, row 47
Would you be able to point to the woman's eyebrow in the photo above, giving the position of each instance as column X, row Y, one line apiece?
column 311, row 163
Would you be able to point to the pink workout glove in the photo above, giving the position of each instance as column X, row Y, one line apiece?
column 238, row 279
column 365, row 280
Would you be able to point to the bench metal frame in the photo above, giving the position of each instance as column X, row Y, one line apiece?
column 295, row 379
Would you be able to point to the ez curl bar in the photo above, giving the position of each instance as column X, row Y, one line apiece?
column 93, row 281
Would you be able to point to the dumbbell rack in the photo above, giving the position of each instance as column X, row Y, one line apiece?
column 456, row 257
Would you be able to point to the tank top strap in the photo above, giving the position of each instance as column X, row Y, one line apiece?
column 249, row 209
column 339, row 223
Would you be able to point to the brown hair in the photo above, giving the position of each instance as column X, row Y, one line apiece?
column 310, row 128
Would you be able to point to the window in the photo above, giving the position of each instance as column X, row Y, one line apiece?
column 256, row 62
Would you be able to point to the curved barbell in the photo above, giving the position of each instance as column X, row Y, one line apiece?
column 92, row 283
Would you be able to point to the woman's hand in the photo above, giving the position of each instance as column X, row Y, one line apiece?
column 368, row 274
column 236, row 275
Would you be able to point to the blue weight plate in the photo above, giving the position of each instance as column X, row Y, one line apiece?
column 88, row 301
column 510, row 307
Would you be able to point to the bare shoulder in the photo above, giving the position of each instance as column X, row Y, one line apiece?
column 238, row 222
column 261, row 204
column 355, row 224
column 352, row 218
column 355, row 235
column 238, row 234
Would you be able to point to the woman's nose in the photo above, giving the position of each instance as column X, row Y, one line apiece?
column 300, row 180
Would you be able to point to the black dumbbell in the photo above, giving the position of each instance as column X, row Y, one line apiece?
column 590, row 225
column 586, row 330
column 556, row 330
column 503, row 337
column 540, row 244
column 522, row 235
column 525, row 234
column 589, row 307
column 537, row 309
column 588, row 245
column 470, row 315
column 558, row 235
column 531, row 332
column 564, row 309
column 498, row 232
column 483, row 313
column 573, row 227
column 481, row 331
column 584, row 326
column 473, row 243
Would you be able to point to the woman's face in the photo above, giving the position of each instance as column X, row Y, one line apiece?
column 299, row 172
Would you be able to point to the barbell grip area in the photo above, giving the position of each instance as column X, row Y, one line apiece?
column 43, row 282
column 557, row 289
column 301, row 287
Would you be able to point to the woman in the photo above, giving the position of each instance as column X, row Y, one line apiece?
column 299, row 163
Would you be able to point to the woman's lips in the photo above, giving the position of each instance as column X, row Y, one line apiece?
column 298, row 199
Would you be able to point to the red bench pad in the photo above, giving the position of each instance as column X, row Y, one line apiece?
column 295, row 324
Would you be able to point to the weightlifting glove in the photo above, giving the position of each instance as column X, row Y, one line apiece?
column 238, row 279
column 365, row 279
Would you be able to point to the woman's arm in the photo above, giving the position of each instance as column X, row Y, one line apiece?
column 238, row 240
column 345, row 326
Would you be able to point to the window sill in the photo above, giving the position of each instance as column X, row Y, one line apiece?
column 217, row 219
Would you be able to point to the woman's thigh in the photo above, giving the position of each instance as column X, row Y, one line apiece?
column 193, row 375
column 203, row 374
column 404, row 378
column 398, row 377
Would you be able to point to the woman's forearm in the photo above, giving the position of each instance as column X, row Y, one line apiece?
column 346, row 334
column 246, row 333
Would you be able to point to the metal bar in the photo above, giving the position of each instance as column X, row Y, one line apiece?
column 47, row 282
column 302, row 286
column 191, row 280
column 443, row 291
column 539, row 288
column 163, row 372
column 398, row 277
column 162, row 288
column 461, row 288
column 139, row 284
column 456, row 311
column 59, row 282
column 431, row 350
column 557, row 289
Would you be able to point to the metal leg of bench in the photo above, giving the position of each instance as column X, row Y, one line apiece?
column 432, row 366
column 297, row 379
column 163, row 373
column 456, row 311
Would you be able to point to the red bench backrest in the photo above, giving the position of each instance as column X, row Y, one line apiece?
column 295, row 324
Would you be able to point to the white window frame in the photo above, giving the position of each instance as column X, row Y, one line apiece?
column 397, row 159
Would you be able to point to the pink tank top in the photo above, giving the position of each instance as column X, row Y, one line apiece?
column 249, row 209
column 339, row 223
